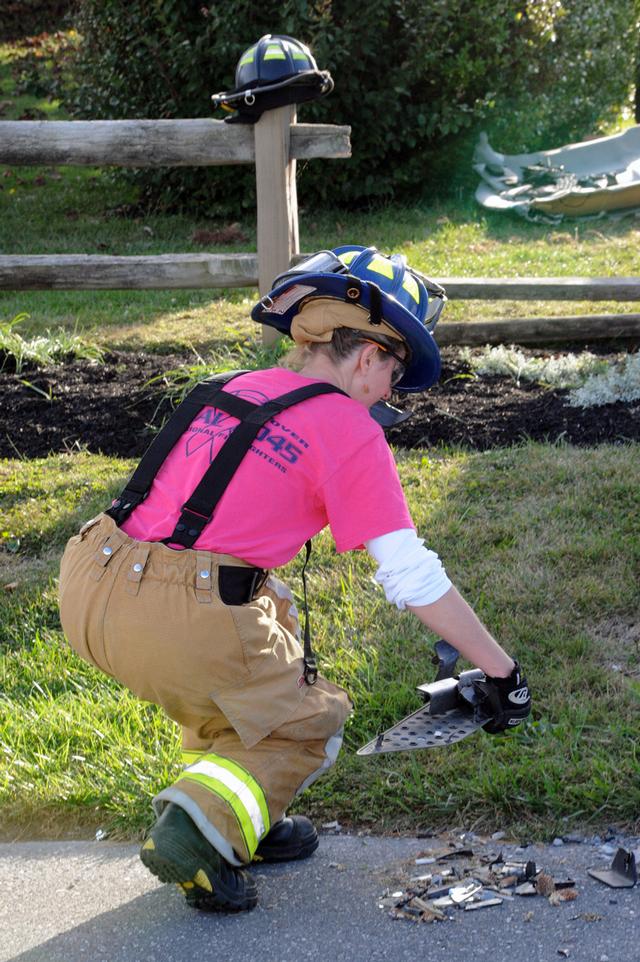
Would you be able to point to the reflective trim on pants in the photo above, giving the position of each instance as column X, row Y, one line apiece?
column 236, row 786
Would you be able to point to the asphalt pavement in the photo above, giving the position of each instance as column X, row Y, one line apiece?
column 94, row 900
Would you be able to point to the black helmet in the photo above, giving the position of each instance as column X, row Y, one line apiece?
column 276, row 70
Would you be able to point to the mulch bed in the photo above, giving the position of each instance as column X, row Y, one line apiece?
column 110, row 408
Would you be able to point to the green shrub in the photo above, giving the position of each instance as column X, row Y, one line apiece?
column 578, row 74
column 40, row 64
column 414, row 80
column 21, row 18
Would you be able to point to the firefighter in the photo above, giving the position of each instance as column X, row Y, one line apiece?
column 172, row 592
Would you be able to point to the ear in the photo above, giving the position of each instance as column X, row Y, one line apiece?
column 366, row 358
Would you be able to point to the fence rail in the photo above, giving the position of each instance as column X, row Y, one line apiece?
column 210, row 271
column 166, row 271
column 155, row 143
column 273, row 145
column 541, row 330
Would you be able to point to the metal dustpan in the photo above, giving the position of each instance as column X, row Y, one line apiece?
column 452, row 711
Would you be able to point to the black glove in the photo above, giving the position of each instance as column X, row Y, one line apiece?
column 508, row 700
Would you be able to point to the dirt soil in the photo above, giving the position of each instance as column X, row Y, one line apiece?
column 111, row 408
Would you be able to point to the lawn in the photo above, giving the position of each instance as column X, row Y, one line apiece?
column 543, row 540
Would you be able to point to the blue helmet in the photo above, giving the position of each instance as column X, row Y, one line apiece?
column 389, row 290
column 276, row 70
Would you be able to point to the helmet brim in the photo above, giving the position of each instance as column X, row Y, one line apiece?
column 283, row 303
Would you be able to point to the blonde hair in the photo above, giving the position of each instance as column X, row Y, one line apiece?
column 344, row 342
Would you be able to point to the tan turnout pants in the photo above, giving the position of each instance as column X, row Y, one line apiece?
column 254, row 733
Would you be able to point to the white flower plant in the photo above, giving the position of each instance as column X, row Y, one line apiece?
column 591, row 380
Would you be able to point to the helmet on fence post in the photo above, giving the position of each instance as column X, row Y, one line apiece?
column 275, row 71
column 385, row 294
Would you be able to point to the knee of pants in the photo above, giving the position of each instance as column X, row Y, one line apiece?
column 320, row 715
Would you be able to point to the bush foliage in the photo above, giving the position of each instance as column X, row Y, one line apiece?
column 21, row 18
column 415, row 81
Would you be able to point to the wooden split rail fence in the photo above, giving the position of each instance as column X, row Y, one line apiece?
column 274, row 145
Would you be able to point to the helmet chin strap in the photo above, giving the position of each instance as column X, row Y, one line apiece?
column 387, row 415
column 354, row 296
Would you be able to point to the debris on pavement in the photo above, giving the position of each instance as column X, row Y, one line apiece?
column 622, row 874
column 334, row 827
column 460, row 880
column 545, row 884
column 562, row 895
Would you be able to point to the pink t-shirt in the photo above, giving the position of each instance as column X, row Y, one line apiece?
column 322, row 462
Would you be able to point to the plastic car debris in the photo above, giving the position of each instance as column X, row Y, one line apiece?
column 526, row 888
column 484, row 904
column 564, row 883
column 587, row 179
column 462, row 893
column 471, row 882
column 622, row 874
column 441, row 892
column 455, row 853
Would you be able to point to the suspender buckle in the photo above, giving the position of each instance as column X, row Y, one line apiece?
column 125, row 504
column 310, row 670
column 188, row 529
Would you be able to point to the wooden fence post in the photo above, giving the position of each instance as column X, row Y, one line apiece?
column 277, row 200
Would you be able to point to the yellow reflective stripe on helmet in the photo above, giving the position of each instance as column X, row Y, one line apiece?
column 347, row 256
column 249, row 57
column 381, row 265
column 410, row 285
column 275, row 52
column 188, row 757
column 299, row 55
column 239, row 789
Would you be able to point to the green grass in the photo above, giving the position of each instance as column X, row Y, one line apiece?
column 456, row 238
column 542, row 540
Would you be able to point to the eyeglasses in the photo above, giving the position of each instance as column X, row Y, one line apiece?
column 399, row 367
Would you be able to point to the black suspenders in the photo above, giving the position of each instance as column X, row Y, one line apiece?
column 198, row 510
column 139, row 484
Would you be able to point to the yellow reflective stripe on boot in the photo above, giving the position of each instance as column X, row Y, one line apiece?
column 239, row 789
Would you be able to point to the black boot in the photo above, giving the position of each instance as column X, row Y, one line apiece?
column 176, row 851
column 293, row 837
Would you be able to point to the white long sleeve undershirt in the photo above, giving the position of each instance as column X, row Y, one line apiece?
column 409, row 573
